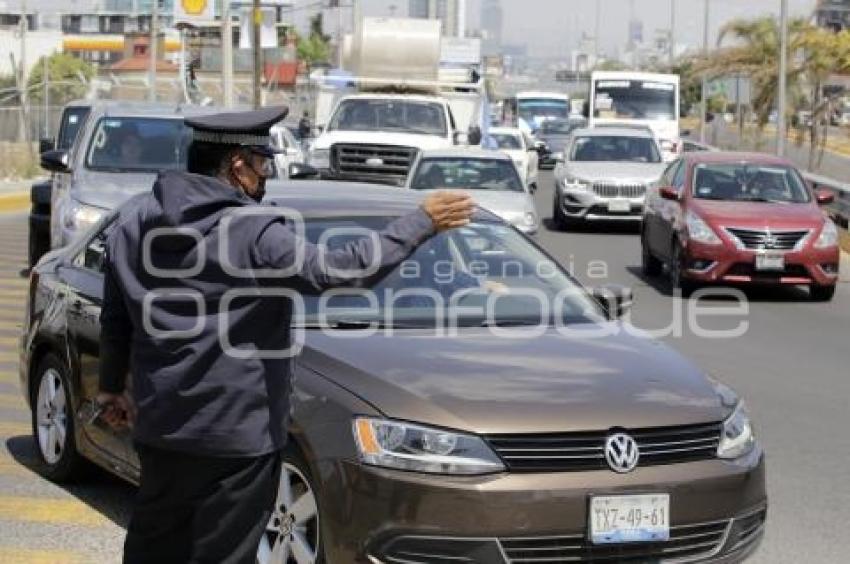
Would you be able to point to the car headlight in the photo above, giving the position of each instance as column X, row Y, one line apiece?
column 404, row 446
column 828, row 235
column 320, row 158
column 738, row 438
column 80, row 216
column 574, row 183
column 699, row 230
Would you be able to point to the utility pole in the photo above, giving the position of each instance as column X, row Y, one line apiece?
column 45, row 77
column 153, row 50
column 704, row 97
column 227, row 56
column 356, row 16
column 672, row 31
column 256, row 20
column 461, row 18
column 339, row 40
column 783, row 80
column 22, row 75
column 596, row 32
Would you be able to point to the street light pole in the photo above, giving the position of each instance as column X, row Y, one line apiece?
column 227, row 56
column 596, row 32
column 256, row 19
column 704, row 96
column 153, row 50
column 672, row 31
column 783, row 80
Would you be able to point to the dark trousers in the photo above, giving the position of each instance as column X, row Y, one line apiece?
column 200, row 509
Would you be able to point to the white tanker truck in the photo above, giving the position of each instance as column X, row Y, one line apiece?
column 392, row 100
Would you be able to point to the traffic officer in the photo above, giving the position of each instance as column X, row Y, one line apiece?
column 208, row 422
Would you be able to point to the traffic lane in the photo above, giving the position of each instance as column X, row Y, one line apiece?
column 790, row 364
column 41, row 521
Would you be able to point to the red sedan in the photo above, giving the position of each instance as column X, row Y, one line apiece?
column 739, row 218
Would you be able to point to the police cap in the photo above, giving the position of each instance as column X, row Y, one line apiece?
column 245, row 129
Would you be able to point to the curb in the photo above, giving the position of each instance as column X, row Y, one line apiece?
column 14, row 201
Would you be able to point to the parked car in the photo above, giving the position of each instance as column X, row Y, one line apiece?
column 284, row 139
column 489, row 176
column 120, row 148
column 604, row 175
column 738, row 218
column 555, row 133
column 73, row 117
column 522, row 149
column 418, row 445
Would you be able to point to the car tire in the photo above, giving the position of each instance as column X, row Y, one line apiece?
column 561, row 221
column 676, row 272
column 37, row 245
column 53, row 422
column 822, row 293
column 650, row 265
column 275, row 546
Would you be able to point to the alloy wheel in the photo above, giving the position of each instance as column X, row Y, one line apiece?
column 51, row 416
column 292, row 534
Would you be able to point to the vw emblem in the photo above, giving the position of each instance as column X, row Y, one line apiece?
column 621, row 452
column 374, row 161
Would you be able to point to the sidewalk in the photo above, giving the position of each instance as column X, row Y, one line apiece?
column 15, row 195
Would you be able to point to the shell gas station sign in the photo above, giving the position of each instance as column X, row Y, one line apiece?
column 193, row 11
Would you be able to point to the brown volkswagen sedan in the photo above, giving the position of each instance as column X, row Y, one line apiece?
column 477, row 406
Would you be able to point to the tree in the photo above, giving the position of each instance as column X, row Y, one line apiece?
column 315, row 48
column 65, row 73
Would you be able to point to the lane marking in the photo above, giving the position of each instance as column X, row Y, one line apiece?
column 14, row 555
column 49, row 510
column 15, row 428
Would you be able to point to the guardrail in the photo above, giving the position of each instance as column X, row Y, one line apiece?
column 839, row 209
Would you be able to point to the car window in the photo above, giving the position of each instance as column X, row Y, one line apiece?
column 72, row 120
column 138, row 144
column 507, row 141
column 669, row 172
column 451, row 275
column 679, row 176
column 466, row 173
column 749, row 182
column 615, row 148
column 426, row 118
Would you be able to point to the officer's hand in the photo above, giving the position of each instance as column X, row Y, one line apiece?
column 448, row 209
column 119, row 411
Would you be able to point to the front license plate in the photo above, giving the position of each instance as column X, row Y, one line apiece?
column 629, row 518
column 619, row 206
column 770, row 261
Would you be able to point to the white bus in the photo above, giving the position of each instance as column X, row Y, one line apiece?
column 528, row 110
column 638, row 98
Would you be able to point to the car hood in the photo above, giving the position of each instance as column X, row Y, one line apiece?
column 615, row 171
column 758, row 215
column 483, row 383
column 424, row 142
column 108, row 190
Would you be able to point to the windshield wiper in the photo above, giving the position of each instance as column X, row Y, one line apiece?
column 509, row 322
column 355, row 324
column 766, row 200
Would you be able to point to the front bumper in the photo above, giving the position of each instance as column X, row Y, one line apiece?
column 731, row 265
column 384, row 516
column 581, row 203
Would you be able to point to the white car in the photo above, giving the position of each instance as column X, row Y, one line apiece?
column 488, row 176
column 521, row 148
column 282, row 138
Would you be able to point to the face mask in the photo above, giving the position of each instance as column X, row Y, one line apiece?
column 259, row 191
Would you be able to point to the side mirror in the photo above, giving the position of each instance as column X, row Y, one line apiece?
column 55, row 161
column 824, row 197
column 301, row 170
column 45, row 144
column 669, row 193
column 532, row 188
column 474, row 136
column 616, row 300
column 686, row 133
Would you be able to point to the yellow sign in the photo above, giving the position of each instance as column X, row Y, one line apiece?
column 194, row 7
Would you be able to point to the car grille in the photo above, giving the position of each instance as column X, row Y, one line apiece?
column 564, row 452
column 747, row 529
column 687, row 542
column 606, row 190
column 386, row 162
column 764, row 239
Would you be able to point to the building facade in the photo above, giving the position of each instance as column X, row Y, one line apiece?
column 491, row 27
column 443, row 10
column 833, row 14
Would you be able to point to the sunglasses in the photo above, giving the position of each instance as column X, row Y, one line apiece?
column 266, row 169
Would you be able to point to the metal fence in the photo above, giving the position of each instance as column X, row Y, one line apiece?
column 41, row 122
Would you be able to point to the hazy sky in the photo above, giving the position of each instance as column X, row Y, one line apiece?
column 552, row 26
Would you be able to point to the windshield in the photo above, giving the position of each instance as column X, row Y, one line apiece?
column 467, row 174
column 537, row 108
column 454, row 275
column 405, row 116
column 558, row 127
column 507, row 141
column 635, row 99
column 138, row 144
column 73, row 119
column 749, row 183
column 615, row 148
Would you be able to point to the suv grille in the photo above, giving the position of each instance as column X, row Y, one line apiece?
column 585, row 451
column 607, row 190
column 378, row 162
column 764, row 239
column 687, row 542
